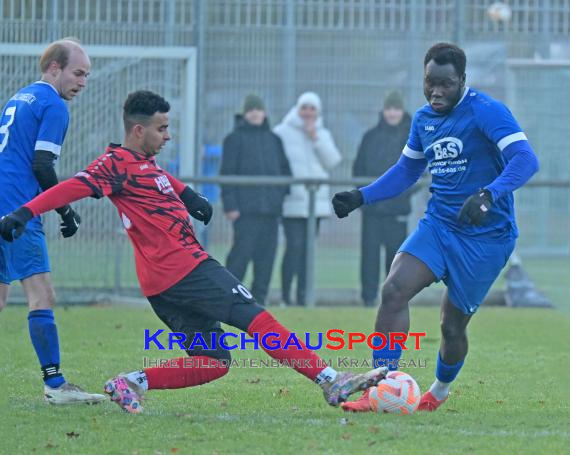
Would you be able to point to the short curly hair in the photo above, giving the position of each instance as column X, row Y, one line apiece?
column 444, row 53
column 140, row 106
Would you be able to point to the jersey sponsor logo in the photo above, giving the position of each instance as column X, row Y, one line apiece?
column 446, row 148
column 429, row 128
column 143, row 167
column 25, row 97
column 163, row 184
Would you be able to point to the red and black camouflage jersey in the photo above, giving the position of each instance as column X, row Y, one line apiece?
column 152, row 213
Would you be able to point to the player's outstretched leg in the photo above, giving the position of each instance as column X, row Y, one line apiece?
column 126, row 393
column 338, row 390
column 337, row 386
column 451, row 356
column 43, row 333
column 128, row 389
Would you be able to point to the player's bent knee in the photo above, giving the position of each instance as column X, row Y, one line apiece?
column 452, row 331
column 393, row 295
column 39, row 292
column 42, row 301
column 243, row 314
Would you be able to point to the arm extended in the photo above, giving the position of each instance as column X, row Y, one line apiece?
column 392, row 183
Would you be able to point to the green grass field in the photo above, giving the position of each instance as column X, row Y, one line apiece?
column 511, row 397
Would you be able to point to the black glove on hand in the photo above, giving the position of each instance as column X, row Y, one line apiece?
column 198, row 206
column 476, row 208
column 346, row 201
column 70, row 222
column 13, row 225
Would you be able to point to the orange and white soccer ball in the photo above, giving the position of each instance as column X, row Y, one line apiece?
column 399, row 393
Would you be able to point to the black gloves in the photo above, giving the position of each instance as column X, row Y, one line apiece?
column 70, row 222
column 476, row 208
column 346, row 201
column 197, row 205
column 13, row 225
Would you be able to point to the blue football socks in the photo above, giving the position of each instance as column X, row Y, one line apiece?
column 386, row 357
column 43, row 333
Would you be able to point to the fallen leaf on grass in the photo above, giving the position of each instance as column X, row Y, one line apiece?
column 174, row 449
column 346, row 436
column 283, row 392
column 254, row 381
column 371, row 443
column 374, row 430
column 72, row 434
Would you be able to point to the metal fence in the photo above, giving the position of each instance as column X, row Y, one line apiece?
column 349, row 51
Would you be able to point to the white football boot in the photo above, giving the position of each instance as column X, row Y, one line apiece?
column 70, row 394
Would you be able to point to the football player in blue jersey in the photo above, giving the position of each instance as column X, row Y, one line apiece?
column 477, row 155
column 32, row 129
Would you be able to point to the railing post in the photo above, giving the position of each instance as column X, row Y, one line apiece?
column 117, row 282
column 311, row 240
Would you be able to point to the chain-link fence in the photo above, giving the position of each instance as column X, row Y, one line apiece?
column 351, row 52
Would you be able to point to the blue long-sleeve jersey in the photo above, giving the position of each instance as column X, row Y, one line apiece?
column 479, row 144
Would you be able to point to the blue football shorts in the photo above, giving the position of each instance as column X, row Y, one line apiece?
column 25, row 256
column 467, row 265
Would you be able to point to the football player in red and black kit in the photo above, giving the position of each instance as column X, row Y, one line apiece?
column 188, row 290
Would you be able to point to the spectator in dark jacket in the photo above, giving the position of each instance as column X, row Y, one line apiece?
column 382, row 224
column 253, row 149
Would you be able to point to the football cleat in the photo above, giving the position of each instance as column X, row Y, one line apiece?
column 127, row 394
column 70, row 394
column 430, row 403
column 360, row 405
column 346, row 383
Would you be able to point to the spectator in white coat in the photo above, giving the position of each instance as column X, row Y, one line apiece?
column 311, row 152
